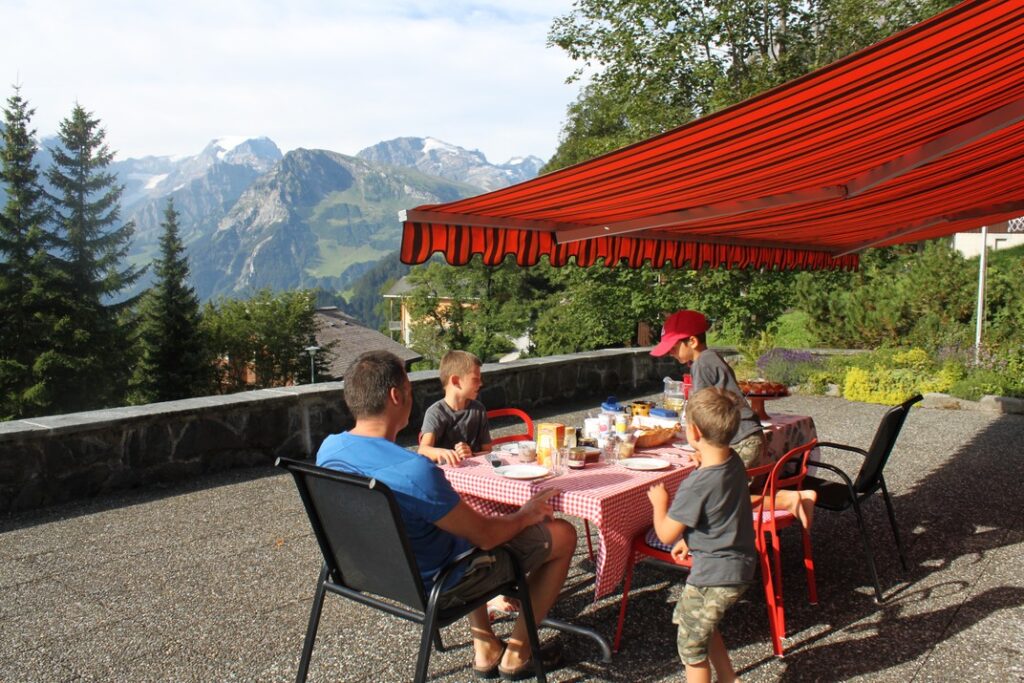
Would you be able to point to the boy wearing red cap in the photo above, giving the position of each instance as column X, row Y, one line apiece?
column 684, row 337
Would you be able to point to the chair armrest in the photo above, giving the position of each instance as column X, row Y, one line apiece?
column 467, row 557
column 832, row 468
column 842, row 447
column 464, row 558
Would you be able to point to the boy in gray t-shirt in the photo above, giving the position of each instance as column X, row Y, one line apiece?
column 456, row 427
column 712, row 512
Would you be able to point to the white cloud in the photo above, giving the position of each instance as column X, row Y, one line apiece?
column 166, row 78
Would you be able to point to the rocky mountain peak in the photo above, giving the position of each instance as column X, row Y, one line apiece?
column 257, row 153
column 439, row 158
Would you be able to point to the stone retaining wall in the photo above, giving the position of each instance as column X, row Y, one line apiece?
column 49, row 460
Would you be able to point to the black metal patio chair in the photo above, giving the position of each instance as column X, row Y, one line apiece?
column 368, row 559
column 850, row 493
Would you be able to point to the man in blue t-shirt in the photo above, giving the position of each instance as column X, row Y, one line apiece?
column 440, row 525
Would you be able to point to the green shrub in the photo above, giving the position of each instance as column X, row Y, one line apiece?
column 978, row 383
column 948, row 375
column 888, row 386
column 915, row 359
column 818, row 381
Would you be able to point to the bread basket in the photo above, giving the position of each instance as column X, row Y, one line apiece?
column 654, row 436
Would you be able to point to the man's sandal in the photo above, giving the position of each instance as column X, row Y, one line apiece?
column 550, row 657
column 490, row 672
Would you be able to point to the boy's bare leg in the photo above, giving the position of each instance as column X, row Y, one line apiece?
column 800, row 504
column 545, row 586
column 719, row 658
column 698, row 673
column 808, row 499
column 486, row 646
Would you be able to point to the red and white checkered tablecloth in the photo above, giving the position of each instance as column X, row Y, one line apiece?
column 612, row 498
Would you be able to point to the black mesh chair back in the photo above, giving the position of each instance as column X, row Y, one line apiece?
column 869, row 478
column 359, row 529
column 367, row 558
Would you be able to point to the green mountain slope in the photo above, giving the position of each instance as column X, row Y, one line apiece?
column 318, row 218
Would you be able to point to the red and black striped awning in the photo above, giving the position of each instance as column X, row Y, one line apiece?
column 916, row 137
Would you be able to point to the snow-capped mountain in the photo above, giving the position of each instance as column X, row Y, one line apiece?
column 155, row 177
column 436, row 157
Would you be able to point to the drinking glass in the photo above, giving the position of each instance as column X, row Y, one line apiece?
column 527, row 451
column 559, row 460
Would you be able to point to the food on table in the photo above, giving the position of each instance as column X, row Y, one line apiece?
column 649, row 437
column 763, row 388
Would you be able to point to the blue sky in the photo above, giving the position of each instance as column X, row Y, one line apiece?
column 168, row 77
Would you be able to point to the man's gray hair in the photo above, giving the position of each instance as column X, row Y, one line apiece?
column 368, row 381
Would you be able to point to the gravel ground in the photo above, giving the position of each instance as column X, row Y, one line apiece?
column 212, row 581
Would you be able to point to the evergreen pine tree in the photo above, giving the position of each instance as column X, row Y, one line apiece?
column 174, row 361
column 89, row 360
column 28, row 271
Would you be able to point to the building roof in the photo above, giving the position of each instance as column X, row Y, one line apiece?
column 350, row 339
column 401, row 288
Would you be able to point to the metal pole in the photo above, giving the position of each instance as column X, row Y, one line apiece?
column 981, row 293
column 311, row 350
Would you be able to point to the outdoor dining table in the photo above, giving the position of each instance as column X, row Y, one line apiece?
column 610, row 497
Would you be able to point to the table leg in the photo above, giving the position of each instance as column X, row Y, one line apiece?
column 602, row 642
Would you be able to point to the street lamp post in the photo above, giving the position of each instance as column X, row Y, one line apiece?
column 311, row 350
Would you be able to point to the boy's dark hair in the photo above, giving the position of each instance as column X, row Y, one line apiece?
column 702, row 338
column 716, row 413
column 368, row 381
column 457, row 363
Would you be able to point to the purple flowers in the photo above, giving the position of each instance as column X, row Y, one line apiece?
column 788, row 366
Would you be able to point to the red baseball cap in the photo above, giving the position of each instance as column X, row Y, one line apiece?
column 680, row 325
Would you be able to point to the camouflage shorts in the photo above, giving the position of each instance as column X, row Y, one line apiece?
column 752, row 450
column 698, row 612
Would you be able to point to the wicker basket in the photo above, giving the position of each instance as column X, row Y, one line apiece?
column 655, row 436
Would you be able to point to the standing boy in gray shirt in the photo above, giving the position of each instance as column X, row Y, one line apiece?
column 712, row 512
column 684, row 337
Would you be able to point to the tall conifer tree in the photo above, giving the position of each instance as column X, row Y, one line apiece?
column 89, row 361
column 28, row 273
column 174, row 361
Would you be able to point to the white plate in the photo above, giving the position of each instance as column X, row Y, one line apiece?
column 644, row 463
column 513, row 446
column 523, row 471
column 684, row 446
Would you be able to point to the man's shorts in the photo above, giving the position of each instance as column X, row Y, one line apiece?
column 697, row 613
column 532, row 547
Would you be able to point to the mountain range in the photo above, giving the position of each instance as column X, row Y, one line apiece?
column 252, row 217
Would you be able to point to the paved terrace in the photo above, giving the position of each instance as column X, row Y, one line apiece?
column 212, row 581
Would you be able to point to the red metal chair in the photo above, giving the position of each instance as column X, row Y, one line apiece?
column 511, row 412
column 766, row 520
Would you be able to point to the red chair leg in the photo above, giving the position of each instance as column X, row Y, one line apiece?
column 768, row 584
column 625, row 601
column 812, row 584
column 780, row 618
